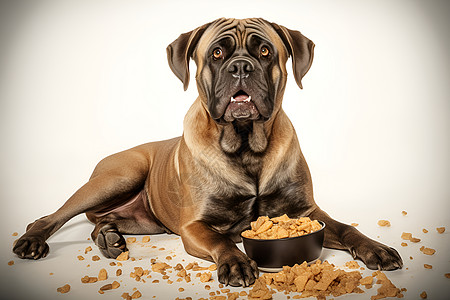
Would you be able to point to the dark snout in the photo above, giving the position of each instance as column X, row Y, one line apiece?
column 241, row 92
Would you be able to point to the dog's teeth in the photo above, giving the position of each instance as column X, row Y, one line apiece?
column 248, row 99
column 233, row 100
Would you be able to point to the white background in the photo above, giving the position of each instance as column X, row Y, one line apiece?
column 80, row 80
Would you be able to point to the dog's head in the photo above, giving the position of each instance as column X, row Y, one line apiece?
column 241, row 65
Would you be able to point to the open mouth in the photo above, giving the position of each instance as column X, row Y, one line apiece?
column 241, row 96
column 241, row 108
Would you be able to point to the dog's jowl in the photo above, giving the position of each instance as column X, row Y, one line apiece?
column 238, row 158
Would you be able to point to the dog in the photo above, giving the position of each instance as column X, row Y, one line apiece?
column 238, row 158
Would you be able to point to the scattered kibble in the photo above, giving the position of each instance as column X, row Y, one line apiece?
column 383, row 223
column 131, row 240
column 427, row 251
column 102, row 275
column 64, row 289
column 123, row 256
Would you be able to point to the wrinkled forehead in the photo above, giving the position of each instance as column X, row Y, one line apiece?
column 240, row 31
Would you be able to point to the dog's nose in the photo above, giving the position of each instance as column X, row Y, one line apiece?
column 240, row 68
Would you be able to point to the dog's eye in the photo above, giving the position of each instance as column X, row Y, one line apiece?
column 264, row 52
column 217, row 54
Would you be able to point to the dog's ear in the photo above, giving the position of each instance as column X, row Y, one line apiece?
column 180, row 51
column 301, row 49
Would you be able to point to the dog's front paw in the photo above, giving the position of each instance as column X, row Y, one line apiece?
column 31, row 247
column 377, row 256
column 237, row 269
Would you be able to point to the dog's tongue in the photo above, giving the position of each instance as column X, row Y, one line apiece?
column 241, row 97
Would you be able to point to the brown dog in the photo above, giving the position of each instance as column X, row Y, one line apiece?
column 238, row 158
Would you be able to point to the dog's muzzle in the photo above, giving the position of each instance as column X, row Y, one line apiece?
column 241, row 102
column 241, row 107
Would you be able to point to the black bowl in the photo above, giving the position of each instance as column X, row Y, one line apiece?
column 272, row 255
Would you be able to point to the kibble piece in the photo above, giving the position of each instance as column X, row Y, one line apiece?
column 404, row 244
column 406, row 235
column 95, row 258
column 87, row 279
column 118, row 272
column 440, row 229
column 212, row 267
column 182, row 273
column 136, row 295
column 102, row 275
column 205, row 277
column 427, row 251
column 404, row 213
column 87, row 249
column 160, row 267
column 414, row 240
column 424, row 230
column 352, row 265
column 80, row 257
column 106, row 287
column 366, row 280
column 131, row 239
column 123, row 256
column 384, row 223
column 427, row 266
column 354, row 224
column 138, row 271
column 146, row 239
column 423, row 295
column 10, row 263
column 115, row 285
column 64, row 289
column 15, row 234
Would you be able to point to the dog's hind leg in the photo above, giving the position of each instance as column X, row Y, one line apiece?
column 114, row 181
column 133, row 217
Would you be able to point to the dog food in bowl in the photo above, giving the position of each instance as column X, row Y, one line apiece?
column 280, row 227
column 276, row 242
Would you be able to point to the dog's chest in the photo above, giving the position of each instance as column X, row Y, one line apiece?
column 232, row 210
